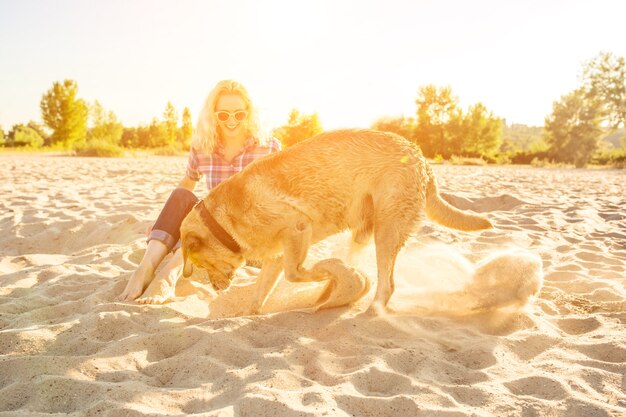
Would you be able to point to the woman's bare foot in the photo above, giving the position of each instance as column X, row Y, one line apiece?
column 162, row 288
column 138, row 281
column 159, row 291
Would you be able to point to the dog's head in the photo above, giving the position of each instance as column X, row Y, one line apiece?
column 202, row 249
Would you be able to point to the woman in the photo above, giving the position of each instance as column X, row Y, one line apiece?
column 225, row 141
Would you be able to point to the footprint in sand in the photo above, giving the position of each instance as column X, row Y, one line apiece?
column 597, row 258
column 604, row 352
column 503, row 202
column 377, row 382
column 576, row 326
column 538, row 386
column 532, row 346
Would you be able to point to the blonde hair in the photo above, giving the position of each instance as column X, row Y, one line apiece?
column 206, row 135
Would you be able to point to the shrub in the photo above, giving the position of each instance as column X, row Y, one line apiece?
column 502, row 159
column 463, row 160
column 24, row 136
column 547, row 163
column 99, row 148
column 169, row 150
column 615, row 158
column 526, row 157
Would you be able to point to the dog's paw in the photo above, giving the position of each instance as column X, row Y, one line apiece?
column 309, row 310
column 256, row 310
column 377, row 310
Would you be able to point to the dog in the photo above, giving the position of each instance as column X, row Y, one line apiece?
column 372, row 183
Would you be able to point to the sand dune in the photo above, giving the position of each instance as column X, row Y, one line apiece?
column 468, row 338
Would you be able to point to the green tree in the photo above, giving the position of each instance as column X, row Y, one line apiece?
column 158, row 134
column 170, row 124
column 65, row 114
column 129, row 138
column 437, row 110
column 1, row 136
column 142, row 136
column 22, row 135
column 519, row 137
column 186, row 130
column 443, row 129
column 41, row 131
column 573, row 129
column 481, row 132
column 403, row 126
column 604, row 80
column 298, row 128
column 105, row 126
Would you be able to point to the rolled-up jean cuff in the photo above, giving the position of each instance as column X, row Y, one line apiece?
column 167, row 226
column 163, row 237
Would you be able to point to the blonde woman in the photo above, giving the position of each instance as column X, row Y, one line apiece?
column 225, row 141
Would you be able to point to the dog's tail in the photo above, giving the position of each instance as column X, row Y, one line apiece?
column 447, row 215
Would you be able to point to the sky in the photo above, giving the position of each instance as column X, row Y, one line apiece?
column 351, row 61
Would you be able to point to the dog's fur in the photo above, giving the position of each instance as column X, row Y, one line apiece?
column 373, row 183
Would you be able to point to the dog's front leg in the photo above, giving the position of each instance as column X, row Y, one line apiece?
column 296, row 242
column 270, row 270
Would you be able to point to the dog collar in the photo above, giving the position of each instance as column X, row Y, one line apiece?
column 217, row 230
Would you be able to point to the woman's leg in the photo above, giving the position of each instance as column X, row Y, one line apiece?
column 161, row 240
column 162, row 287
column 141, row 278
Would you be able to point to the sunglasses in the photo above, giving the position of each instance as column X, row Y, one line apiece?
column 223, row 115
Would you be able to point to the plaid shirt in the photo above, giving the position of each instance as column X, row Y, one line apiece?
column 216, row 169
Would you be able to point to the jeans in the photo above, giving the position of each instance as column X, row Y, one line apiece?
column 167, row 227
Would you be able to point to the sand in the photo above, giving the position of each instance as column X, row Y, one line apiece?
column 468, row 338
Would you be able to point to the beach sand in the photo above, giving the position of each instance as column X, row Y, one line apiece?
column 468, row 337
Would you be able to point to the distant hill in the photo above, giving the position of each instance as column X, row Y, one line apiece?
column 519, row 137
column 615, row 138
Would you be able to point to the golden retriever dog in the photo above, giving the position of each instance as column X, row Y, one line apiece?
column 373, row 183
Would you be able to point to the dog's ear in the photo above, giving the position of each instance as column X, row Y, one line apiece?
column 191, row 244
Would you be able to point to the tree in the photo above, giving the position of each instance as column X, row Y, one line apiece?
column 129, row 138
column 403, row 126
column 142, row 134
column 437, row 109
column 1, row 136
column 519, row 137
column 299, row 127
column 604, row 80
column 573, row 129
column 41, row 131
column 158, row 134
column 186, row 130
column 64, row 114
column 105, row 126
column 170, row 124
column 481, row 132
column 22, row 135
column 443, row 129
